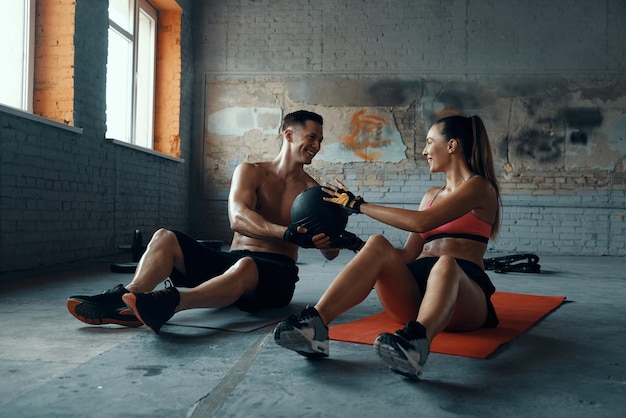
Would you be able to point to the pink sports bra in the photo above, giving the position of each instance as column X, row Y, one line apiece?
column 468, row 226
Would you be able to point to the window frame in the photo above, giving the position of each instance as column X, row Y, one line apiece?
column 132, row 118
column 27, row 36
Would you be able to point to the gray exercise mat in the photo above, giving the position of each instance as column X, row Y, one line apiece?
column 232, row 319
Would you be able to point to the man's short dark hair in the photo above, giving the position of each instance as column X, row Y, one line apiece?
column 299, row 118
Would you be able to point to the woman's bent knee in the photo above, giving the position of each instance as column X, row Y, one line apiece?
column 446, row 265
column 377, row 241
column 447, row 261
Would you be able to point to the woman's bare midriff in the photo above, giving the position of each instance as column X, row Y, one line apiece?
column 462, row 248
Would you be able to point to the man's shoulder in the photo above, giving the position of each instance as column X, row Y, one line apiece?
column 266, row 171
column 256, row 165
column 256, row 169
column 250, row 164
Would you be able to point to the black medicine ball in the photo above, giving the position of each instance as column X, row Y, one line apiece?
column 316, row 215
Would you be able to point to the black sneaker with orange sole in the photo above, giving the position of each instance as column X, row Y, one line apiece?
column 105, row 308
column 153, row 308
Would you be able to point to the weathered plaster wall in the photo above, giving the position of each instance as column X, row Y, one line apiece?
column 553, row 105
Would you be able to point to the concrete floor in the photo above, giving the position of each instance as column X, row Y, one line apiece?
column 570, row 364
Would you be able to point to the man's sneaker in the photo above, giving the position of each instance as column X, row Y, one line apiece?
column 307, row 335
column 405, row 351
column 154, row 308
column 105, row 308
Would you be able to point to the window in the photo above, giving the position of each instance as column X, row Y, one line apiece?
column 16, row 79
column 131, row 72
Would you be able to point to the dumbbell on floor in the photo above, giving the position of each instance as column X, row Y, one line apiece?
column 137, row 249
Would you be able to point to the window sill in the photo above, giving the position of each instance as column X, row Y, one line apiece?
column 146, row 150
column 39, row 119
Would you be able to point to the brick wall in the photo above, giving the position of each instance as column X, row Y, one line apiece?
column 548, row 79
column 66, row 193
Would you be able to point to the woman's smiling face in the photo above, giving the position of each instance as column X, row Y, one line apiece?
column 436, row 150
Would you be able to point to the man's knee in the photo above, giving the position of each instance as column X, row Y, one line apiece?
column 163, row 237
column 164, row 243
column 245, row 273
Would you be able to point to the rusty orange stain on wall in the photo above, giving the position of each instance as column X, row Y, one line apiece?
column 366, row 134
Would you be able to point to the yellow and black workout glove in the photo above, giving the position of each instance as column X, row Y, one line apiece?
column 304, row 240
column 346, row 199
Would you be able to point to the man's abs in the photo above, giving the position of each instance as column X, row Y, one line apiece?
column 241, row 242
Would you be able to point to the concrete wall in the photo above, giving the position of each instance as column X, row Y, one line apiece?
column 66, row 193
column 548, row 78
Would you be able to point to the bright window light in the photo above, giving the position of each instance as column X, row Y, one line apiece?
column 16, row 50
column 131, row 72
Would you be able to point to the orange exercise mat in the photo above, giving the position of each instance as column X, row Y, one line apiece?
column 517, row 313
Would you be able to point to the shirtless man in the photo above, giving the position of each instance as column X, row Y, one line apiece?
column 258, row 272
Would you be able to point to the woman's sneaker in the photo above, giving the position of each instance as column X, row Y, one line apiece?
column 154, row 308
column 307, row 335
column 105, row 308
column 405, row 351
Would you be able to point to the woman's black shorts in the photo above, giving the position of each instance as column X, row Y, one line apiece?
column 421, row 270
column 278, row 274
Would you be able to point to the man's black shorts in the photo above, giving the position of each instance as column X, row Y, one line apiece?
column 278, row 274
column 421, row 270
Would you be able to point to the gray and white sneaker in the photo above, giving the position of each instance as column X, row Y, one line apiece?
column 307, row 335
column 405, row 351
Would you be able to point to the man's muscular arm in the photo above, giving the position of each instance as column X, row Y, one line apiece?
column 242, row 202
column 244, row 219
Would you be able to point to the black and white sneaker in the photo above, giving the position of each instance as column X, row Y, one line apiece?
column 307, row 335
column 405, row 351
